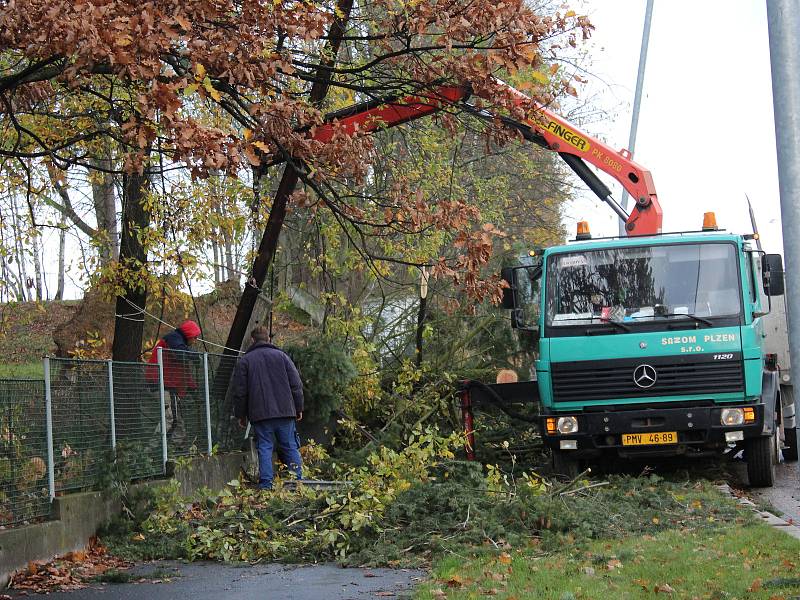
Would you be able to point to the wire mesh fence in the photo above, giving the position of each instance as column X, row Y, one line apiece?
column 81, row 409
column 137, row 419
column 185, row 403
column 90, row 421
column 24, row 494
column 225, row 431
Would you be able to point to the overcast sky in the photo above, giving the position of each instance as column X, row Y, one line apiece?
column 706, row 129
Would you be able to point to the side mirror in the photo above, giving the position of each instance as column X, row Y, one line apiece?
column 507, row 275
column 772, row 265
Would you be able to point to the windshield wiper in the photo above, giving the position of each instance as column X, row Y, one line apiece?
column 618, row 324
column 602, row 330
column 592, row 321
column 694, row 318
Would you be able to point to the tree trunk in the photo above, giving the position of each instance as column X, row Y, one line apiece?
column 37, row 266
column 6, row 285
column 217, row 261
column 266, row 251
column 269, row 241
column 62, row 239
column 105, row 209
column 129, row 320
column 19, row 251
column 228, row 255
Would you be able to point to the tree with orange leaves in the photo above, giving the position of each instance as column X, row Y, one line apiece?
column 78, row 76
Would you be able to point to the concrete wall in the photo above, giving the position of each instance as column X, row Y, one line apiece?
column 77, row 517
column 212, row 472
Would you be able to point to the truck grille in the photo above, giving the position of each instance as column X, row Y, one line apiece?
column 675, row 376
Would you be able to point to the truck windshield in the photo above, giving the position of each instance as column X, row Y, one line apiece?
column 643, row 284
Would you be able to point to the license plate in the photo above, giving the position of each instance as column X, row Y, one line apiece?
column 649, row 439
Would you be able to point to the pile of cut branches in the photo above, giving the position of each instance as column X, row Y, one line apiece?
column 407, row 506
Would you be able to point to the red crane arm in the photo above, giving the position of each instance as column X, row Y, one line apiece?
column 548, row 129
column 383, row 113
column 563, row 137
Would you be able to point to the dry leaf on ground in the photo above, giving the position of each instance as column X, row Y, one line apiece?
column 72, row 571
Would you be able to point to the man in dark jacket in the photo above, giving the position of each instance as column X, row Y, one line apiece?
column 268, row 392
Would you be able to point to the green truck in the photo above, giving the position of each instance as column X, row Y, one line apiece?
column 653, row 346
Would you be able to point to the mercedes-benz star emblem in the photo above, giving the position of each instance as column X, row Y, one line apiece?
column 644, row 376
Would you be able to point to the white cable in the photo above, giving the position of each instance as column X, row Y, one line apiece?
column 152, row 316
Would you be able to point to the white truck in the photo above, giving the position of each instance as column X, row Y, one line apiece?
column 776, row 341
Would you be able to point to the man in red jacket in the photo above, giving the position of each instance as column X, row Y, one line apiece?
column 178, row 378
column 268, row 392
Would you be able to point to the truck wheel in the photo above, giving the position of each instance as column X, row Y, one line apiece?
column 790, row 449
column 565, row 464
column 761, row 454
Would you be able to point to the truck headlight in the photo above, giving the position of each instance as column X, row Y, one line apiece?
column 731, row 416
column 567, row 425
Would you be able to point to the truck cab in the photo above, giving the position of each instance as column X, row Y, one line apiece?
column 653, row 346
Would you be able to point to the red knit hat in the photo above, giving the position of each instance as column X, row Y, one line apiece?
column 190, row 329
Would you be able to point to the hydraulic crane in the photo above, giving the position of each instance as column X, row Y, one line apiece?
column 545, row 129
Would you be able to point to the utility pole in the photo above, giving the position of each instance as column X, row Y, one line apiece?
column 783, row 18
column 637, row 98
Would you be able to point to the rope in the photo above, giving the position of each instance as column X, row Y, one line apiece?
column 152, row 316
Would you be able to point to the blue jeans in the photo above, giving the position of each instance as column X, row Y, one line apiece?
column 284, row 431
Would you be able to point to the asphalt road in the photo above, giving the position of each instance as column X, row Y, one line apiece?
column 783, row 497
column 211, row 581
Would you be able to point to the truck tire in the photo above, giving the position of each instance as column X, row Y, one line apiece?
column 790, row 445
column 761, row 454
column 565, row 464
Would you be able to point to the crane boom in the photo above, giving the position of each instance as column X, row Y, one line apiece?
column 546, row 129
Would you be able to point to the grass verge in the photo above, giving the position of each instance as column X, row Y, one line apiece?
column 730, row 561
column 22, row 371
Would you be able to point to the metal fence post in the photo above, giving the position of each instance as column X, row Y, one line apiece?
column 162, row 408
column 208, row 401
column 111, row 406
column 48, row 408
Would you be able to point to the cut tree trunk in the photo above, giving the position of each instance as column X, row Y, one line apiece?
column 269, row 241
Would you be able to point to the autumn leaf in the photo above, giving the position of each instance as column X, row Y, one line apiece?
column 183, row 22
column 614, row 564
column 540, row 77
column 251, row 156
column 755, row 586
column 505, row 558
column 663, row 588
